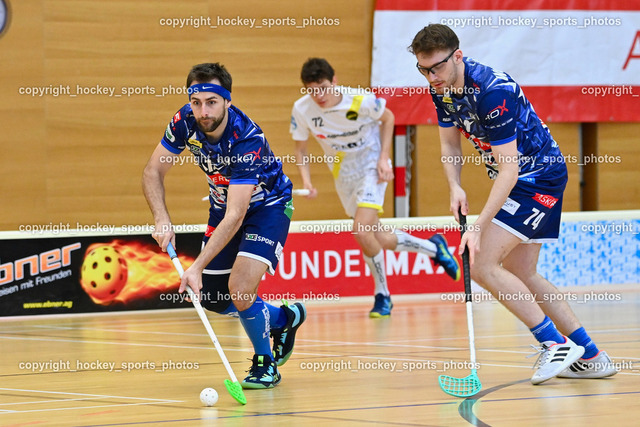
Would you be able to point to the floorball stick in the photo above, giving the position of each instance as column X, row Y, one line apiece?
column 233, row 386
column 296, row 192
column 469, row 385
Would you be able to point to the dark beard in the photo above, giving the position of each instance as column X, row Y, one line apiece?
column 214, row 124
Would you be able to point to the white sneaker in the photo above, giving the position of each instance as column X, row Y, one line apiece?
column 555, row 358
column 599, row 366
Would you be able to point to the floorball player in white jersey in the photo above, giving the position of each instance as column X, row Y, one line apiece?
column 355, row 130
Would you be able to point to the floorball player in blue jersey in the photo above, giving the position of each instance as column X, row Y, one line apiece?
column 524, row 205
column 249, row 217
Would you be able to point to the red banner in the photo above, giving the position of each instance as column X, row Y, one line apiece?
column 326, row 265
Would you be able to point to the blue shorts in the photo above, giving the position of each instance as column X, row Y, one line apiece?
column 532, row 211
column 261, row 236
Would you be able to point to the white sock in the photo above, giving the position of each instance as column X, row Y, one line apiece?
column 376, row 265
column 409, row 243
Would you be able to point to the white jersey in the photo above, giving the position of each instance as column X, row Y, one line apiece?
column 348, row 132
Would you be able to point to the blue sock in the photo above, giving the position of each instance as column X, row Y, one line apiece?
column 255, row 320
column 277, row 315
column 580, row 337
column 546, row 331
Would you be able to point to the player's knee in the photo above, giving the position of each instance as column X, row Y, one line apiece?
column 242, row 296
column 365, row 238
column 524, row 273
column 215, row 292
column 480, row 273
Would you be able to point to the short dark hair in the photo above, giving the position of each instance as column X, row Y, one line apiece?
column 315, row 70
column 433, row 38
column 208, row 71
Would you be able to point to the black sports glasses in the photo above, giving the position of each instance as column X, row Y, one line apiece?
column 432, row 70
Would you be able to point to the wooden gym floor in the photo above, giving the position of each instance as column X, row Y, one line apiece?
column 346, row 369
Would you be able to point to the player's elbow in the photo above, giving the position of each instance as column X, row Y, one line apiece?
column 149, row 174
column 234, row 218
column 388, row 117
column 509, row 173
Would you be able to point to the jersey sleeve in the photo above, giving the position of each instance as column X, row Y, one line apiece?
column 372, row 107
column 498, row 115
column 298, row 129
column 247, row 160
column 175, row 135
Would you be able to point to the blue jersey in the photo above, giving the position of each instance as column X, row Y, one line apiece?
column 493, row 110
column 241, row 156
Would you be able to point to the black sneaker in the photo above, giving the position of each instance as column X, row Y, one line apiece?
column 283, row 338
column 263, row 373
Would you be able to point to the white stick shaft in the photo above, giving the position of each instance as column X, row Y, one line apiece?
column 472, row 339
column 205, row 321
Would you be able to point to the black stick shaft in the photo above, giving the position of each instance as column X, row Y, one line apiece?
column 466, row 274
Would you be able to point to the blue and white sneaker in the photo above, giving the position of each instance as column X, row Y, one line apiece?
column 262, row 374
column 284, row 338
column 444, row 258
column 382, row 306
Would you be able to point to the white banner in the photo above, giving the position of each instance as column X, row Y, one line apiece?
column 535, row 47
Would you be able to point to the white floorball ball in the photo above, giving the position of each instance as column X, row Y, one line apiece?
column 208, row 396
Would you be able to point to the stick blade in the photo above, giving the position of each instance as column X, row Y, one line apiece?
column 235, row 390
column 460, row 387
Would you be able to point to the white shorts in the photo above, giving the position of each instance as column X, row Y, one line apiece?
column 361, row 192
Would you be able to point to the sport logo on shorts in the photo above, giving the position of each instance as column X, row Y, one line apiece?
column 545, row 199
column 257, row 238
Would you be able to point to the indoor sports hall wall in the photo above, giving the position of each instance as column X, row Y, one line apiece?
column 78, row 160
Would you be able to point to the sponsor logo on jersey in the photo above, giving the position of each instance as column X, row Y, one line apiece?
column 451, row 108
column 194, row 146
column 352, row 114
column 193, row 141
column 294, row 125
column 252, row 156
column 497, row 112
column 378, row 105
column 218, row 179
column 168, row 134
column 321, row 136
column 177, row 117
column 545, row 200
